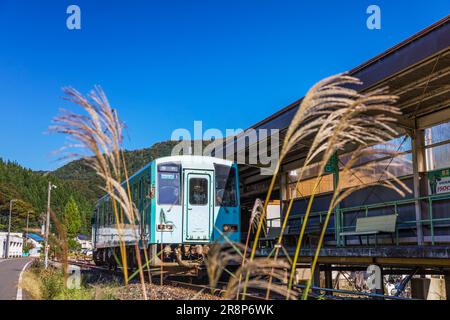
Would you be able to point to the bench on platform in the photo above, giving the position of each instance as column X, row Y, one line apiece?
column 272, row 235
column 372, row 226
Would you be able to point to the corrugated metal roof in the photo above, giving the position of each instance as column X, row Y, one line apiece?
column 35, row 237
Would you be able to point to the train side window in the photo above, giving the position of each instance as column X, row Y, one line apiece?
column 102, row 212
column 99, row 217
column 147, row 186
column 110, row 213
column 105, row 214
column 198, row 191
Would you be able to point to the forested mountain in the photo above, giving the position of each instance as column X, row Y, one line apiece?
column 30, row 190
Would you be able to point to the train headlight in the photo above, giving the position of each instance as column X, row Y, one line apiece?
column 229, row 227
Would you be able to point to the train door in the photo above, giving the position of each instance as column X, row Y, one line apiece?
column 198, row 205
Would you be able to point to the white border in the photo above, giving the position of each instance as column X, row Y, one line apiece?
column 19, row 289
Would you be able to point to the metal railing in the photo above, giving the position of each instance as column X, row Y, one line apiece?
column 431, row 221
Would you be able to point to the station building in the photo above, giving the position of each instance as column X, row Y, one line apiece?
column 418, row 71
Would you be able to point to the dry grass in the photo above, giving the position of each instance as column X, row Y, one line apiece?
column 218, row 258
column 97, row 137
column 32, row 285
column 256, row 272
column 335, row 117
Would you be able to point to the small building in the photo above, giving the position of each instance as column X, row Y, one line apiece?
column 84, row 241
column 36, row 242
column 15, row 244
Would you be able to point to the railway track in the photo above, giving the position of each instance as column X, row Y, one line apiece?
column 198, row 284
column 175, row 280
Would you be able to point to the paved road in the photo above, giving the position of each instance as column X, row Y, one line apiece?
column 9, row 277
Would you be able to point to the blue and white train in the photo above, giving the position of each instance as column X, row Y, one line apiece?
column 184, row 202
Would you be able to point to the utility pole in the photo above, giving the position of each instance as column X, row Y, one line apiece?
column 9, row 228
column 28, row 219
column 47, row 224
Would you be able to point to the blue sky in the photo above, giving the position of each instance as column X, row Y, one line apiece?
column 164, row 64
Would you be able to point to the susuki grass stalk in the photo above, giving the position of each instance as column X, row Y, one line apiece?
column 99, row 131
column 280, row 238
column 253, row 223
column 340, row 194
column 300, row 238
column 324, row 98
column 343, row 117
column 364, row 122
column 318, row 113
column 62, row 242
column 258, row 230
column 136, row 246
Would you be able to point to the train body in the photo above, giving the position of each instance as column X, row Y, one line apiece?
column 182, row 201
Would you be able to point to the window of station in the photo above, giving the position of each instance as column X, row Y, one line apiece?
column 399, row 166
column 308, row 180
column 305, row 187
column 437, row 146
column 169, row 184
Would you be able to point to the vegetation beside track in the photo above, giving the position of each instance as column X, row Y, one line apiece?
column 42, row 284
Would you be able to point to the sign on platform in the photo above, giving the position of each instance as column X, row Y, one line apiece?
column 439, row 181
column 333, row 164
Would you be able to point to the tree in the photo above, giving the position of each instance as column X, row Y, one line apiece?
column 72, row 218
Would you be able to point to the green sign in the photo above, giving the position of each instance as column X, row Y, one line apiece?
column 439, row 181
column 332, row 165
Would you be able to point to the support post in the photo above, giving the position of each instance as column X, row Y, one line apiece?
column 329, row 279
column 283, row 193
column 418, row 155
column 47, row 224
column 447, row 285
column 316, row 279
column 333, row 167
column 420, row 288
column 9, row 229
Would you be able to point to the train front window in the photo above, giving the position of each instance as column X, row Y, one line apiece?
column 198, row 191
column 169, row 184
column 225, row 178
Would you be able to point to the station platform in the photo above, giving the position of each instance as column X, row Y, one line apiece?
column 420, row 256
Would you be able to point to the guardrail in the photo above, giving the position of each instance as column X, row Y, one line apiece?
column 409, row 224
